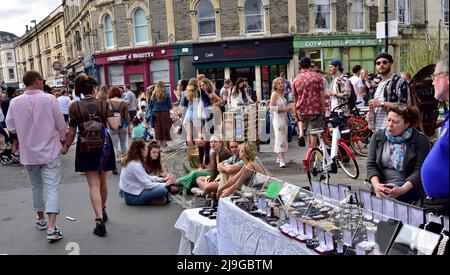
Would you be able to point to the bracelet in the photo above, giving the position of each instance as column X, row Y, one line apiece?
column 442, row 243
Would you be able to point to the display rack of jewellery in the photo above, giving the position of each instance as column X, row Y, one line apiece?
column 339, row 227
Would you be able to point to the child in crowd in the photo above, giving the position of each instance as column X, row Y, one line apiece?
column 137, row 131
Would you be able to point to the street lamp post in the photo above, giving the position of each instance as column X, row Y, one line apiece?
column 38, row 47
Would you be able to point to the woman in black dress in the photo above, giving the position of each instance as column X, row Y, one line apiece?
column 93, row 162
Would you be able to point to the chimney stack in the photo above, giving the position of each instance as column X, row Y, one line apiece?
column 26, row 26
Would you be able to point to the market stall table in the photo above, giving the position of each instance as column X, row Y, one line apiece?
column 239, row 233
column 193, row 228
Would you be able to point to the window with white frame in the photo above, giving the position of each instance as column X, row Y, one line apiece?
column 445, row 11
column 254, row 16
column 108, row 30
column 9, row 58
column 140, row 28
column 403, row 12
column 12, row 76
column 322, row 15
column 206, row 18
column 357, row 15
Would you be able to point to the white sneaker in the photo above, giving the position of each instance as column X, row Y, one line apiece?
column 282, row 164
column 278, row 160
column 197, row 191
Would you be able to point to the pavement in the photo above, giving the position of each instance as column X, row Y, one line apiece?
column 147, row 230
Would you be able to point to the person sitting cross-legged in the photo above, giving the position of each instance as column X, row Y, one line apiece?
column 137, row 186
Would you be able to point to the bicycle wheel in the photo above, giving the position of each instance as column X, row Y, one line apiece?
column 315, row 167
column 359, row 142
column 347, row 163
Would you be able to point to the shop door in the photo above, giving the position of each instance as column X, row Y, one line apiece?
column 246, row 72
column 136, row 83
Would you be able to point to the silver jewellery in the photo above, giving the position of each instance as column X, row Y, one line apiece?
column 442, row 243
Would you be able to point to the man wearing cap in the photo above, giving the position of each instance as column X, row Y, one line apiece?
column 309, row 100
column 338, row 88
column 392, row 89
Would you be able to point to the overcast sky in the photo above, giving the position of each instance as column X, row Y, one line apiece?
column 15, row 14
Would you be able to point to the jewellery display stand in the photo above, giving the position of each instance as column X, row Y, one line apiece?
column 332, row 219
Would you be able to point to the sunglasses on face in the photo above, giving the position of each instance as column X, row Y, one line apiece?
column 384, row 62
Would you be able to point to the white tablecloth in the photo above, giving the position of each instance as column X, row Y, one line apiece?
column 194, row 227
column 239, row 233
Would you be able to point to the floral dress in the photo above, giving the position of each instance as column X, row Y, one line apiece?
column 280, row 126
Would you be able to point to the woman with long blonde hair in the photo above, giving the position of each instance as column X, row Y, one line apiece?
column 279, row 109
column 160, row 105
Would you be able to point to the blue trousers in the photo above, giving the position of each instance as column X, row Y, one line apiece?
column 146, row 197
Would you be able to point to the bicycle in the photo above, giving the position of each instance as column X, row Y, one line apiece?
column 360, row 133
column 319, row 163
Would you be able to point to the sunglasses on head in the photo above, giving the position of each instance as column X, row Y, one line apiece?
column 384, row 62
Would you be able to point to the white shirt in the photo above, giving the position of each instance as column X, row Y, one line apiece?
column 64, row 102
column 134, row 179
column 357, row 85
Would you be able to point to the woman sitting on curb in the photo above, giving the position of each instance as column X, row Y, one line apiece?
column 153, row 165
column 138, row 187
column 247, row 153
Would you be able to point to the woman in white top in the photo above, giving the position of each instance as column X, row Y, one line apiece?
column 279, row 109
column 137, row 186
column 239, row 96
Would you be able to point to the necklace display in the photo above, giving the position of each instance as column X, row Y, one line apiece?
column 442, row 244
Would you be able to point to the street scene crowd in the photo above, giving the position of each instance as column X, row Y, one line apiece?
column 114, row 129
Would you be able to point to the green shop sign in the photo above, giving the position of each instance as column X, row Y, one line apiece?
column 332, row 43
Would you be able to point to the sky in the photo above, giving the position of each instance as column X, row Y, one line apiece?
column 15, row 14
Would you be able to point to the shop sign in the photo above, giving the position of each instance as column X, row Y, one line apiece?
column 57, row 66
column 129, row 57
column 89, row 61
column 242, row 50
column 336, row 43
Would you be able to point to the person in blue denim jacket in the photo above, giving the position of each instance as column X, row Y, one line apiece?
column 161, row 104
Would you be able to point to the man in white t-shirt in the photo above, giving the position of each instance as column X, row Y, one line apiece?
column 358, row 86
column 64, row 102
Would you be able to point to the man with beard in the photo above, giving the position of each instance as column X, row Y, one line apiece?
column 392, row 89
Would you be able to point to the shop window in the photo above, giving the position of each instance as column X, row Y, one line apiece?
column 322, row 15
column 206, row 18
column 268, row 74
column 403, row 12
column 216, row 75
column 102, row 75
column 254, row 16
column 11, row 74
column 115, row 73
column 330, row 54
column 445, row 11
column 362, row 56
column 140, row 28
column 358, row 15
column 108, row 31
column 159, row 70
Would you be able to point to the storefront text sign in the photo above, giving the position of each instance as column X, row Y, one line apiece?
column 337, row 43
column 133, row 56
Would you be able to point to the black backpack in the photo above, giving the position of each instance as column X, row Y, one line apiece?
column 91, row 140
column 352, row 96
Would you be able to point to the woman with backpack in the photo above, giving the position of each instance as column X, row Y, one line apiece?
column 94, row 152
column 120, row 110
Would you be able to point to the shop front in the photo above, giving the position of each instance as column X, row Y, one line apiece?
column 350, row 49
column 258, row 60
column 89, row 66
column 137, row 67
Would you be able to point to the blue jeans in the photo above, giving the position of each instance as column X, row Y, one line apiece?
column 146, row 197
column 50, row 176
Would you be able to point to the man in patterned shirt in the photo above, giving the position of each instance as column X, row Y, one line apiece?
column 309, row 99
column 392, row 88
